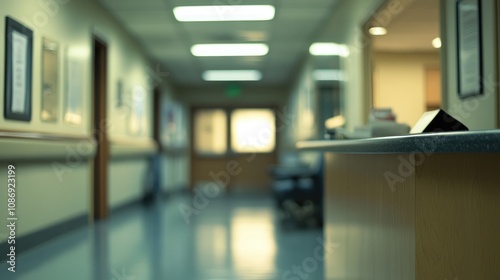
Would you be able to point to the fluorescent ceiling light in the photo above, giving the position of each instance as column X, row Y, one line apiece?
column 329, row 49
column 232, row 75
column 328, row 75
column 229, row 50
column 224, row 13
column 377, row 31
column 436, row 43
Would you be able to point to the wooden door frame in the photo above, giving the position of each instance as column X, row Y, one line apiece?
column 99, row 129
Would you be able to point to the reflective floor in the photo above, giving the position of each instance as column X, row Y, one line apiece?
column 232, row 237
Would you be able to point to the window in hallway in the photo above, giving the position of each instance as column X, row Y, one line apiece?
column 253, row 130
column 234, row 145
column 210, row 131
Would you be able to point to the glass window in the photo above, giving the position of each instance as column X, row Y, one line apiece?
column 253, row 130
column 210, row 131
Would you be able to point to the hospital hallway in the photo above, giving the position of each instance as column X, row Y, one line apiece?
column 231, row 237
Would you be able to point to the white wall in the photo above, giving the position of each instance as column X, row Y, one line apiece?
column 353, row 96
column 480, row 112
column 43, row 198
column 400, row 83
column 175, row 139
column 354, row 93
column 302, row 118
column 302, row 110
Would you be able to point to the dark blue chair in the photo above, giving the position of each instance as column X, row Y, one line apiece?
column 298, row 191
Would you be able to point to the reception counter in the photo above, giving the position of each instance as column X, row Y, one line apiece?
column 412, row 207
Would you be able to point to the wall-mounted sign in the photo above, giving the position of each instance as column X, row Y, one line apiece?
column 18, row 66
column 469, row 54
column 50, row 89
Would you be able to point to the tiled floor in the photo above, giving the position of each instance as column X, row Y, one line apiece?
column 232, row 237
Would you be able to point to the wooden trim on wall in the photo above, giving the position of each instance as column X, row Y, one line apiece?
column 100, row 201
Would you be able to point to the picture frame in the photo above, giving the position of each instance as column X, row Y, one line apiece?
column 73, row 97
column 18, row 71
column 119, row 94
column 469, row 48
column 137, row 120
column 50, row 79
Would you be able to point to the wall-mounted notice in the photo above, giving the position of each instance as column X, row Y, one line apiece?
column 74, row 84
column 137, row 120
column 18, row 54
column 469, row 55
column 50, row 73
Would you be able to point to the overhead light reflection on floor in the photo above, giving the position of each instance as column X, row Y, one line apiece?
column 253, row 242
column 212, row 246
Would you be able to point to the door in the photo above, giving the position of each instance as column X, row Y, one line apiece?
column 100, row 205
column 233, row 147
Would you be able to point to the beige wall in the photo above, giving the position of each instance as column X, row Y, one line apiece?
column 355, row 97
column 480, row 112
column 44, row 198
column 399, row 81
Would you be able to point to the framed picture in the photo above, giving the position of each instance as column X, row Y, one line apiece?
column 50, row 89
column 469, row 54
column 74, row 92
column 18, row 71
column 137, row 120
column 119, row 94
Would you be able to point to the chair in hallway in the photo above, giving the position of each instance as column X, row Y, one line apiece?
column 298, row 190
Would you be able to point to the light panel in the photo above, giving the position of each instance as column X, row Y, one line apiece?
column 224, row 13
column 436, row 43
column 232, row 75
column 377, row 31
column 229, row 49
column 328, row 75
column 330, row 49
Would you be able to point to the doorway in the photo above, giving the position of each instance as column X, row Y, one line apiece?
column 100, row 171
column 405, row 58
column 233, row 147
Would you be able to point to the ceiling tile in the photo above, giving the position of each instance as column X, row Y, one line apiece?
column 134, row 4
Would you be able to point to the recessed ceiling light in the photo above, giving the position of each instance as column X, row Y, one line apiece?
column 328, row 75
column 232, row 75
column 224, row 13
column 329, row 49
column 229, row 49
column 436, row 43
column 378, row 31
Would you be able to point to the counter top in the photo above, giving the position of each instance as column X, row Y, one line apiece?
column 487, row 141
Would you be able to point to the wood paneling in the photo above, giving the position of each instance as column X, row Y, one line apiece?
column 458, row 217
column 371, row 225
column 251, row 170
column 441, row 221
column 432, row 89
column 100, row 66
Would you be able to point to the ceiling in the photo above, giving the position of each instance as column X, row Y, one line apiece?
column 413, row 29
column 296, row 25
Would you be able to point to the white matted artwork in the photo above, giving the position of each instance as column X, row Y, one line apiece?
column 74, row 96
column 50, row 73
column 137, row 122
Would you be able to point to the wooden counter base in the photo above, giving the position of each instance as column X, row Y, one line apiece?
column 438, row 220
